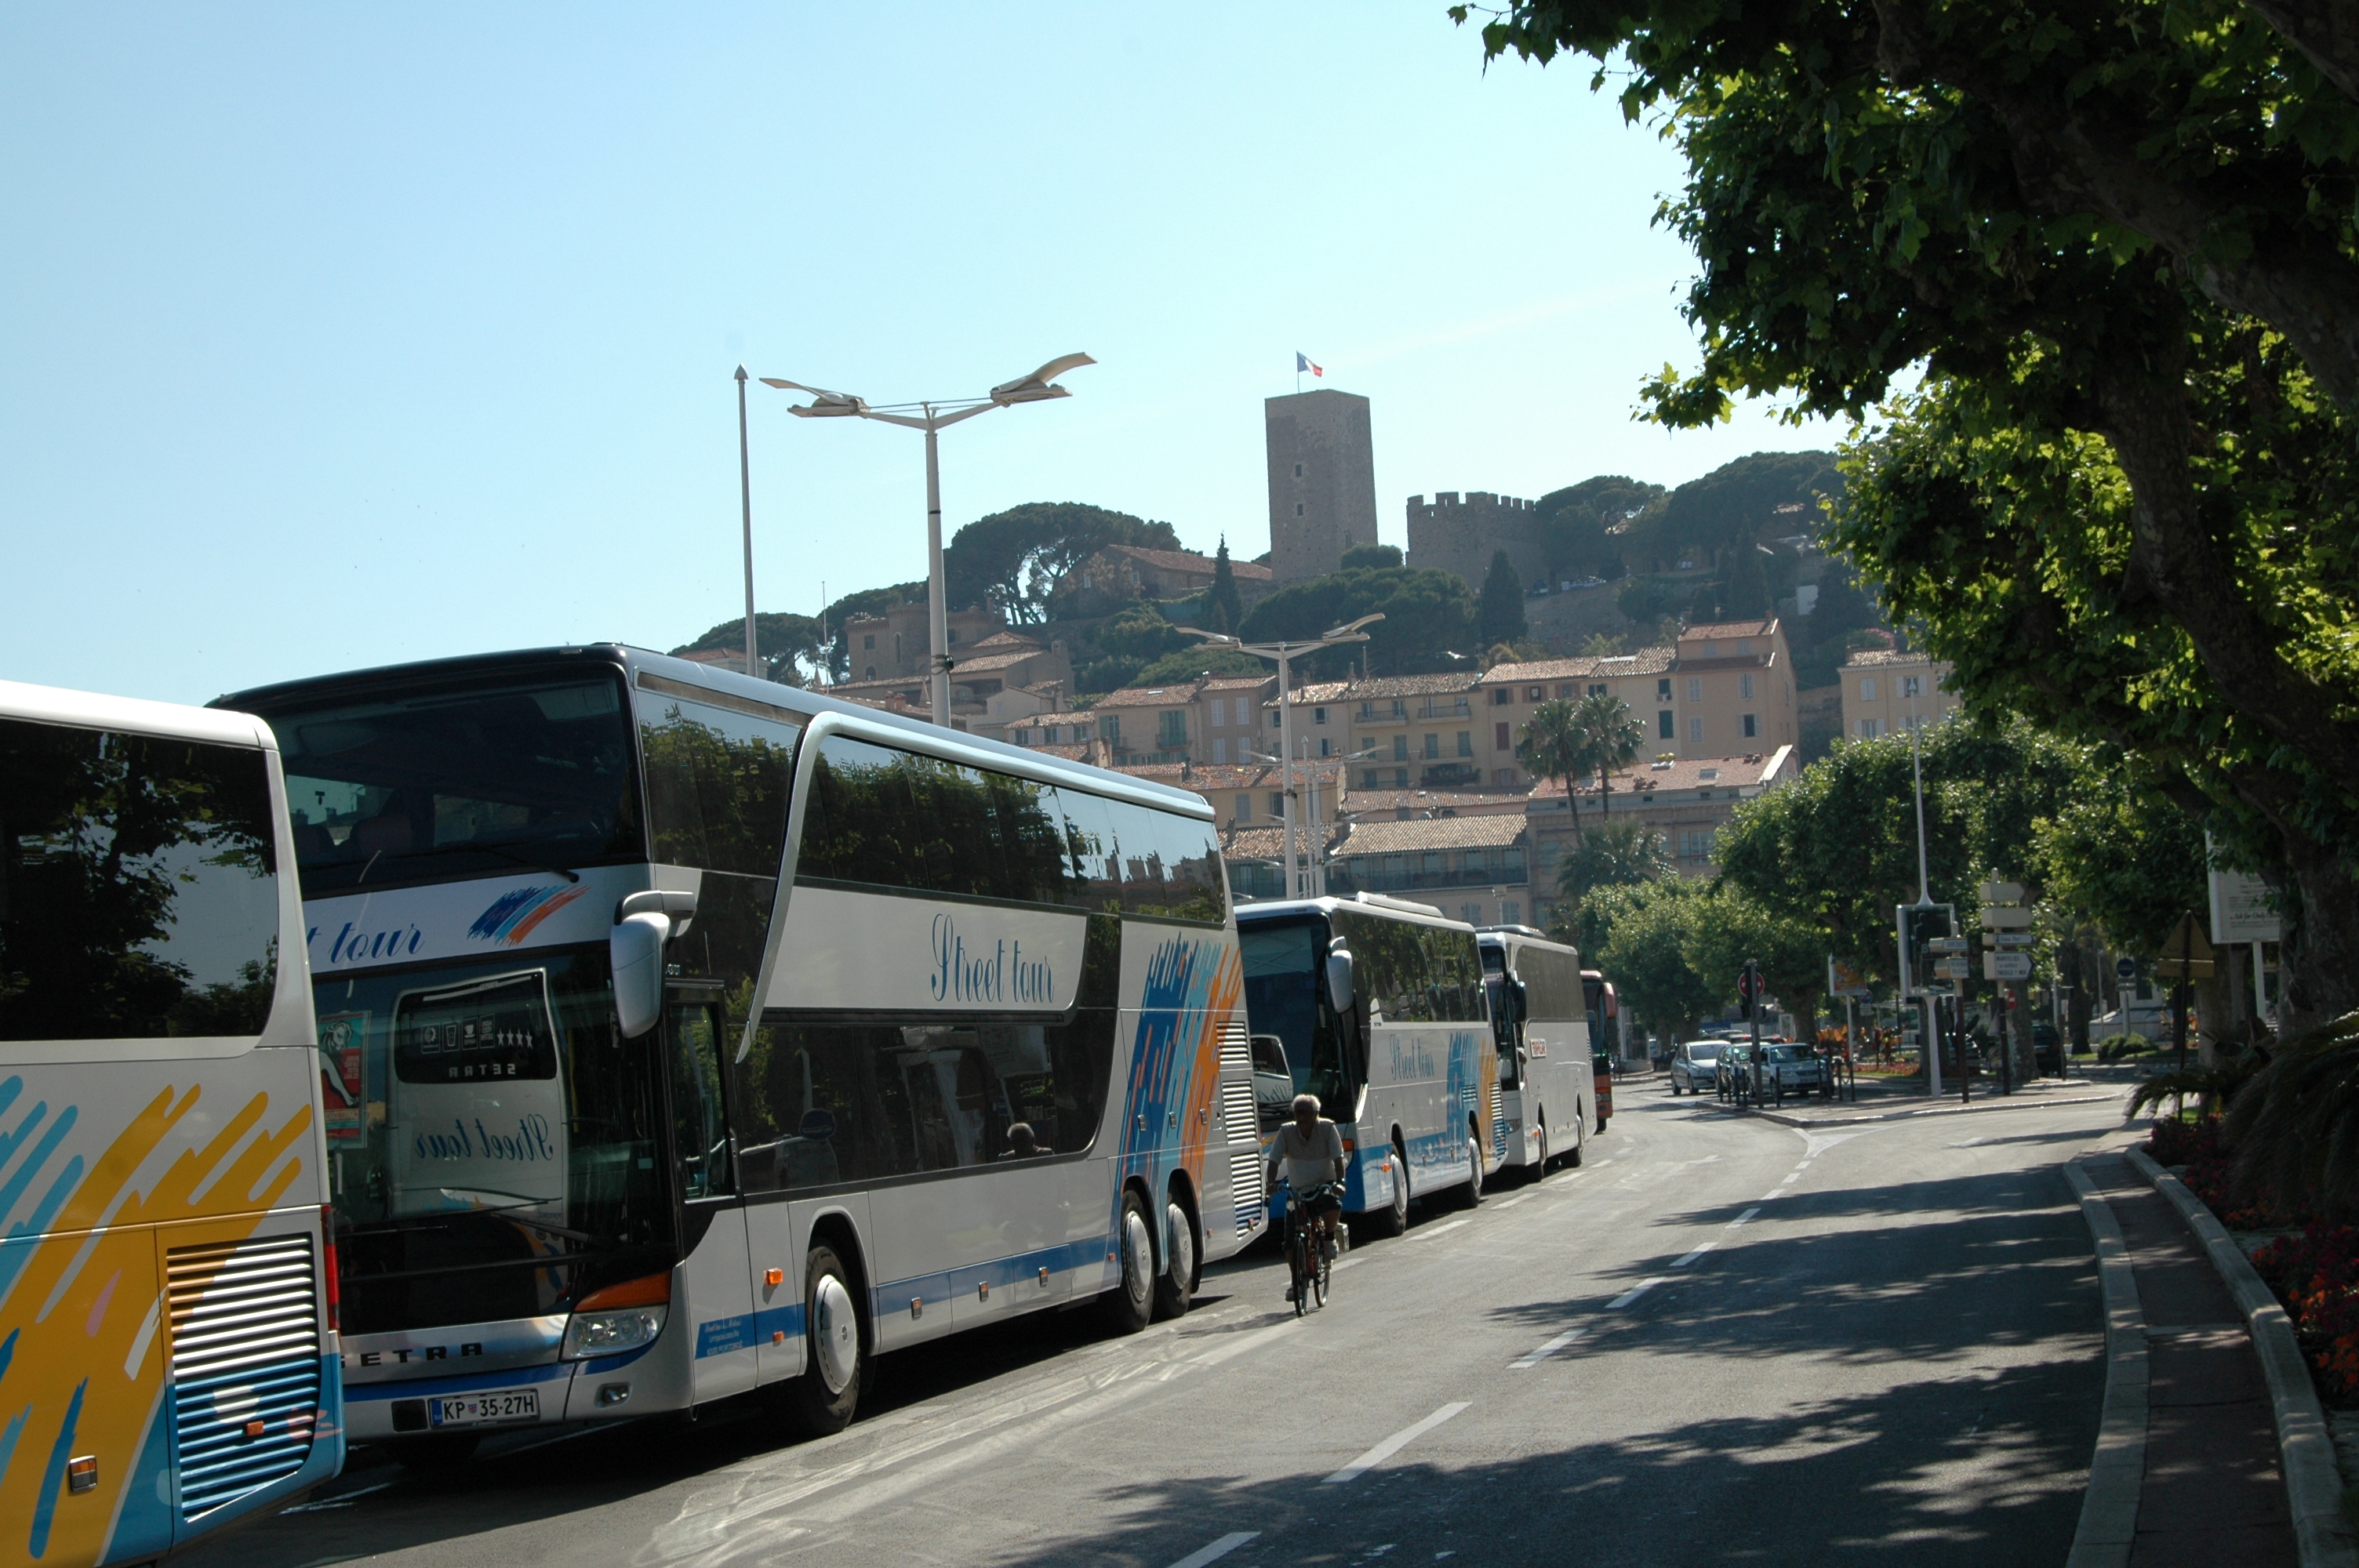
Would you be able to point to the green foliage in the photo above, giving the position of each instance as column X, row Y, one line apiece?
column 2213, row 1087
column 1649, row 599
column 1014, row 561
column 2122, row 858
column 2294, row 1127
column 1645, row 951
column 1553, row 743
column 1185, row 664
column 1725, row 928
column 1768, row 495
column 776, row 636
column 1579, row 526
column 1500, row 611
column 866, row 602
column 1142, row 633
column 1602, row 645
column 1428, row 617
column 1611, row 737
column 1225, row 608
column 2122, row 1047
column 1610, row 854
column 1372, row 557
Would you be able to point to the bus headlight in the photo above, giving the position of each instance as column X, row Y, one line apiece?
column 607, row 1333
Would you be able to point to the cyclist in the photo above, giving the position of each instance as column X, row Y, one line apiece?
column 1310, row 1152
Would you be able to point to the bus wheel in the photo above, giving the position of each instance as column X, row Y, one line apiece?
column 1539, row 1170
column 820, row 1402
column 1131, row 1304
column 1473, row 1194
column 1177, row 1284
column 1573, row 1161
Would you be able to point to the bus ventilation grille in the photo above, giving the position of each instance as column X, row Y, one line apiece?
column 1499, row 1125
column 1239, row 1123
column 245, row 1365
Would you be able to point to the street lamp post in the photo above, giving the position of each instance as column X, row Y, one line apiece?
column 745, row 496
column 1296, row 882
column 933, row 418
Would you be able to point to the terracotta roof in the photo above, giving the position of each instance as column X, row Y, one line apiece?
column 1187, row 561
column 1383, row 685
column 1720, row 629
column 1229, row 775
column 1080, row 754
column 1235, row 683
column 1009, row 642
column 1437, row 833
column 1606, row 666
column 1869, row 657
column 1150, row 697
column 1373, row 802
column 995, row 662
column 1259, row 843
column 1683, row 772
column 1078, row 716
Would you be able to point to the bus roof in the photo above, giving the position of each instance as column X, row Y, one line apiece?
column 687, row 672
column 61, row 704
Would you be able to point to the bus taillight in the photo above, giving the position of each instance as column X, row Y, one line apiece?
column 335, row 1291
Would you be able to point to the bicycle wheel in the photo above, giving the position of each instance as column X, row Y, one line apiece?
column 1297, row 1259
column 1326, row 1275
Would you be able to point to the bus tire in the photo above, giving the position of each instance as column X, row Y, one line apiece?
column 820, row 1400
column 1130, row 1305
column 1580, row 1141
column 1539, row 1170
column 1177, row 1284
column 1472, row 1196
column 1393, row 1218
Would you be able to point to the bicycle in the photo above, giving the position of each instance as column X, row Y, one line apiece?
column 1310, row 1262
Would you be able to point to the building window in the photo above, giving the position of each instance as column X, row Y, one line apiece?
column 1401, row 778
column 1110, row 729
column 1297, row 471
column 1317, row 716
column 1666, row 728
column 1696, row 846
column 1867, row 688
column 1466, row 742
column 1501, row 696
column 1368, row 779
column 1535, row 694
column 1568, row 690
column 1597, row 691
column 1277, row 802
column 1326, row 746
column 1503, row 736
column 1510, row 913
column 1663, row 689
column 1695, row 730
column 1173, row 731
column 869, row 674
column 1472, row 913
column 1244, row 808
column 1695, row 688
column 1912, row 686
column 868, row 644
column 1275, row 719
column 1219, row 749
column 1298, row 509
column 1432, row 747
column 1400, row 748
column 1504, row 776
column 1752, row 726
column 1867, row 729
column 1745, row 686
column 1400, row 708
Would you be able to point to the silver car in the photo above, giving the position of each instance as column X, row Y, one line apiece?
column 1695, row 1067
column 1796, row 1066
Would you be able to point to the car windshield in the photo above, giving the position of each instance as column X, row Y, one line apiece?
column 1787, row 1053
column 1703, row 1051
column 441, row 782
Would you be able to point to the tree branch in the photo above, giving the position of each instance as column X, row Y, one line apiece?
column 2325, row 31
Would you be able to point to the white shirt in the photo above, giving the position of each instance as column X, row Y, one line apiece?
column 1309, row 1160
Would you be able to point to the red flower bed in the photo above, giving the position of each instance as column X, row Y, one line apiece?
column 2196, row 1146
column 2316, row 1275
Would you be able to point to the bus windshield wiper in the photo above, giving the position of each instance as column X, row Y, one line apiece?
column 503, row 853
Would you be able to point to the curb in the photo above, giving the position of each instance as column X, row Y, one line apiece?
column 2322, row 1537
column 2109, row 1509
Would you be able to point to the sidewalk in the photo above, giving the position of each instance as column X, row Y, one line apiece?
column 2212, row 1492
column 1888, row 1099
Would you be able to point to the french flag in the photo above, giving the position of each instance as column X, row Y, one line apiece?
column 1302, row 363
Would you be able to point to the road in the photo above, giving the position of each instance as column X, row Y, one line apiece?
column 1720, row 1338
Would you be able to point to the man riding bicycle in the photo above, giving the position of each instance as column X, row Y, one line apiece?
column 1310, row 1152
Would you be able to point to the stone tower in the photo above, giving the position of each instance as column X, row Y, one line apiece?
column 1322, row 481
column 1458, row 536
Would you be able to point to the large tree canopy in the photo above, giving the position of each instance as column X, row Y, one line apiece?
column 1427, row 626
column 1013, row 562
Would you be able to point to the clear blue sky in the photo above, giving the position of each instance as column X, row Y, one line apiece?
column 335, row 336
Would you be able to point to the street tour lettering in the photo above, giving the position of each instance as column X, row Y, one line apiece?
column 987, row 971
column 349, row 948
column 1411, row 1060
column 528, row 1144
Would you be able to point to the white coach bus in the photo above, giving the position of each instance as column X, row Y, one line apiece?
column 1379, row 1007
column 1547, row 1086
column 168, row 1356
column 717, row 1036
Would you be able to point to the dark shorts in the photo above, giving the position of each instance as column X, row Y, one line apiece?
column 1321, row 1203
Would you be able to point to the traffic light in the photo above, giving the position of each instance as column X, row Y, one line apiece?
column 1748, row 987
column 1921, row 927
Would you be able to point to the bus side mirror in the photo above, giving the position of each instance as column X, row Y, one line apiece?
column 1339, row 981
column 1519, row 1001
column 634, row 951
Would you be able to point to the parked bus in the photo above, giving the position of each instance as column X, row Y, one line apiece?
column 1379, row 1005
column 717, row 1036
column 1604, row 1008
column 167, row 1335
column 1547, row 1090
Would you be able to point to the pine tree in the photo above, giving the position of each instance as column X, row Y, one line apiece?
column 1225, row 611
column 1500, row 611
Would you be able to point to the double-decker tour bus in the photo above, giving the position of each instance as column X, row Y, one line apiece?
column 1378, row 1004
column 1547, row 1089
column 715, row 1036
column 168, row 1343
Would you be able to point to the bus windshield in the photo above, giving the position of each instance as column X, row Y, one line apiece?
column 442, row 782
column 1284, row 998
column 491, row 1141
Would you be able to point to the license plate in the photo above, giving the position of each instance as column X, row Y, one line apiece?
column 485, row 1408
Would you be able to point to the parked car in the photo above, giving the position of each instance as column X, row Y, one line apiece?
column 1695, row 1067
column 2047, row 1049
column 1791, row 1066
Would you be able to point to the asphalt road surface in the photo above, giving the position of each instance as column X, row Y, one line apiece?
column 1721, row 1339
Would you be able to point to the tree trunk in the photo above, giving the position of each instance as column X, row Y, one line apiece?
column 2320, row 958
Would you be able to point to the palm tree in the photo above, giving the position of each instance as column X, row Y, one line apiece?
column 1556, row 745
column 1613, row 738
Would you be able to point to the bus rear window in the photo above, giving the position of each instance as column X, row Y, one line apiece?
column 459, row 781
column 138, row 888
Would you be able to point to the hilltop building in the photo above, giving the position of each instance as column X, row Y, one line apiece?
column 1886, row 692
column 1452, row 534
column 1322, row 481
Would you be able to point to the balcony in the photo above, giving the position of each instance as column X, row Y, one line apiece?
column 1445, row 708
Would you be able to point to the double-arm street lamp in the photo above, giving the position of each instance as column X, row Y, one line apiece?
column 1298, row 882
column 933, row 418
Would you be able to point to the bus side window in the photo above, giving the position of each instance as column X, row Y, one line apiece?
column 700, row 1133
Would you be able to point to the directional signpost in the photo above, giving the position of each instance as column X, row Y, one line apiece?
column 2006, row 925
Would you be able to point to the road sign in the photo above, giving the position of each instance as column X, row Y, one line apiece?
column 2125, row 970
column 2006, row 966
column 1952, row 969
column 2006, row 918
column 1949, row 944
column 2188, row 953
column 2010, row 939
column 2001, row 892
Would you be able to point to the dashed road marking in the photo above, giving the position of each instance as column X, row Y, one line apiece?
column 1430, row 1234
column 1392, row 1446
column 1218, row 1549
column 1691, row 1255
column 1633, row 1293
column 1545, row 1351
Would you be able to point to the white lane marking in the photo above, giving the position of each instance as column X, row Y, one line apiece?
column 1392, row 1446
column 1791, row 1177
column 1217, row 1549
column 1245, row 1342
column 1344, row 1264
column 1438, row 1230
column 1545, row 1351
column 1689, row 1257
column 1741, row 1218
column 1633, row 1293
column 1513, row 1202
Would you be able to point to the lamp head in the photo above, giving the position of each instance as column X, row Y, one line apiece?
column 1345, row 632
column 1039, row 386
column 823, row 404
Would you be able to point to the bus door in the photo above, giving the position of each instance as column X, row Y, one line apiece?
column 721, row 1309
